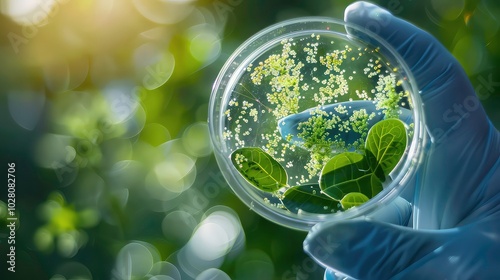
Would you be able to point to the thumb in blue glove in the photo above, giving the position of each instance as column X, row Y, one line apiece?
column 456, row 208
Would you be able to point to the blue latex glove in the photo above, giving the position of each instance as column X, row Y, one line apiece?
column 456, row 208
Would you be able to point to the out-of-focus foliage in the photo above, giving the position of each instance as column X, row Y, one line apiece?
column 104, row 108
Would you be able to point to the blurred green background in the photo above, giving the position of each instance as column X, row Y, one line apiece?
column 103, row 110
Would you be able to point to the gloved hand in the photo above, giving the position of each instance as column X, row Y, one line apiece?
column 456, row 208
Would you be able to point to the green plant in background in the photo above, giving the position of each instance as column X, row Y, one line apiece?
column 348, row 179
column 64, row 227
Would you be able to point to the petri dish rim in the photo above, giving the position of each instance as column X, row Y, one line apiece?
column 254, row 47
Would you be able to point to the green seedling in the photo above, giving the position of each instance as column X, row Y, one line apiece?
column 353, row 199
column 309, row 198
column 259, row 168
column 347, row 180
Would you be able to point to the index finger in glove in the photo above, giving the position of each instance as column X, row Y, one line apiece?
column 448, row 96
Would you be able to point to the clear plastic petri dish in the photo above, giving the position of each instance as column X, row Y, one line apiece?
column 314, row 119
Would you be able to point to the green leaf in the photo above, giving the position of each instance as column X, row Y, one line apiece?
column 259, row 168
column 353, row 199
column 349, row 172
column 375, row 167
column 309, row 198
column 386, row 140
column 353, row 178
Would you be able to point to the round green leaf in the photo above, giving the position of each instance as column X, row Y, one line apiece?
column 353, row 199
column 309, row 198
column 259, row 168
column 386, row 140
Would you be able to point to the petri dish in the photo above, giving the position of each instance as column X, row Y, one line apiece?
column 298, row 94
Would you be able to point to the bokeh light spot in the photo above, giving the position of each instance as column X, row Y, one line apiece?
column 156, row 191
column 67, row 244
column 215, row 236
column 165, row 269
column 448, row 9
column 161, row 277
column 153, row 65
column 51, row 150
column 134, row 260
column 65, row 75
column 121, row 100
column 176, row 173
column 72, row 271
column 43, row 239
column 135, row 124
column 28, row 12
column 88, row 218
column 190, row 264
column 205, row 44
column 213, row 274
column 210, row 241
column 178, row 226
column 469, row 51
column 249, row 260
column 26, row 107
column 196, row 140
column 126, row 174
column 155, row 134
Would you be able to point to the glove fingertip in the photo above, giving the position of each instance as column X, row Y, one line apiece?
column 361, row 10
column 330, row 275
